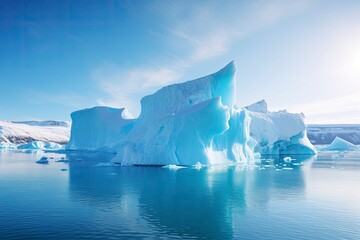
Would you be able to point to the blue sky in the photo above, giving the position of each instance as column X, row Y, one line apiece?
column 60, row 56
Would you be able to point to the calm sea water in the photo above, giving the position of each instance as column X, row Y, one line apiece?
column 315, row 198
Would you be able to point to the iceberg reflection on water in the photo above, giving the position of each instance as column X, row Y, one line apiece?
column 96, row 198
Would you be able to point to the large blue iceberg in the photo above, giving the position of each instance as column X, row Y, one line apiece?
column 189, row 123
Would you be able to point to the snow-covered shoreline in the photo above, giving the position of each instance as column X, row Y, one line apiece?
column 16, row 133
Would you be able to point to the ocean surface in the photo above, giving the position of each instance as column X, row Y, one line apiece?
column 85, row 197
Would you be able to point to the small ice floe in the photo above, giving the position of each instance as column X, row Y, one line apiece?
column 43, row 160
column 112, row 174
column 173, row 167
column 198, row 166
column 288, row 159
column 7, row 146
column 106, row 164
column 63, row 169
column 30, row 151
column 267, row 163
column 63, row 160
column 287, row 168
column 257, row 155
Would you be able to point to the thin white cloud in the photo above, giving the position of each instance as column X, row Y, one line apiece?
column 124, row 88
column 338, row 110
column 204, row 31
column 210, row 29
column 67, row 99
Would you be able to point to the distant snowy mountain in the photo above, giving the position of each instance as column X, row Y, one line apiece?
column 44, row 123
column 19, row 132
column 326, row 133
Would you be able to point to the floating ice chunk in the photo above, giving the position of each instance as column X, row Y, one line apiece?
column 63, row 161
column 340, row 144
column 107, row 164
column 7, row 146
column 32, row 145
column 39, row 145
column 173, row 167
column 43, row 160
column 53, row 146
column 198, row 165
column 257, row 155
column 287, row 168
column 287, row 159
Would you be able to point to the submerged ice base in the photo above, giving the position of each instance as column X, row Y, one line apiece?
column 195, row 122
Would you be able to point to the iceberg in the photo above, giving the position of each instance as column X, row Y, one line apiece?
column 340, row 144
column 192, row 123
column 43, row 160
column 7, row 146
column 278, row 132
column 39, row 145
column 98, row 128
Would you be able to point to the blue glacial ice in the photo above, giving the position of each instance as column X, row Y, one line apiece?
column 195, row 122
column 43, row 160
column 98, row 128
column 40, row 145
column 340, row 144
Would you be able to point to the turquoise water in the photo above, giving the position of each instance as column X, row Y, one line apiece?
column 315, row 198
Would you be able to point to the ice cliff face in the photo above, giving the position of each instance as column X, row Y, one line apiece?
column 188, row 123
column 98, row 128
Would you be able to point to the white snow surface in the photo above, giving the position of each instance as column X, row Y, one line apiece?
column 15, row 133
column 195, row 122
column 280, row 133
column 340, row 144
column 260, row 106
